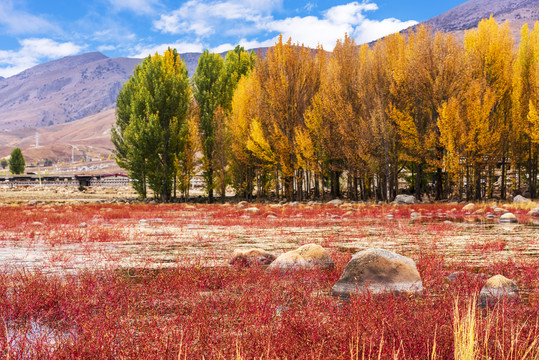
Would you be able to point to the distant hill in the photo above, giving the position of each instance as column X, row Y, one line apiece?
column 63, row 90
column 467, row 15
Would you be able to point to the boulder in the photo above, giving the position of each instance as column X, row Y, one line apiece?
column 519, row 199
column 250, row 257
column 307, row 256
column 468, row 207
column 508, row 218
column 499, row 211
column 404, row 199
column 378, row 271
column 496, row 288
column 335, row 202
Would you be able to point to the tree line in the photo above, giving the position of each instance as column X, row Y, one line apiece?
column 455, row 120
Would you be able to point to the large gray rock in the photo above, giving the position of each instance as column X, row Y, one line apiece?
column 307, row 257
column 497, row 288
column 519, row 199
column 378, row 271
column 404, row 199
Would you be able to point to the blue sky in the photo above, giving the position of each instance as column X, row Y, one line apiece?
column 36, row 31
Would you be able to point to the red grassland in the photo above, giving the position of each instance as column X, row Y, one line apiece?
column 191, row 310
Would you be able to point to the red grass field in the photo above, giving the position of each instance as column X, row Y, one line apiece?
column 152, row 282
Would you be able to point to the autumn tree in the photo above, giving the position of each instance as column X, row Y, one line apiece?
column 152, row 109
column 525, row 99
column 429, row 76
column 334, row 119
column 16, row 162
column 288, row 78
column 244, row 165
column 489, row 55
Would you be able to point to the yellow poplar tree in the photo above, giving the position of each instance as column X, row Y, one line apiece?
column 525, row 97
column 489, row 54
column 288, row 78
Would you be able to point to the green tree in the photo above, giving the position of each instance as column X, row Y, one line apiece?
column 3, row 163
column 214, row 84
column 151, row 113
column 16, row 162
column 208, row 89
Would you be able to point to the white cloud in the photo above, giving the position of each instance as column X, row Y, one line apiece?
column 370, row 30
column 335, row 23
column 182, row 47
column 106, row 47
column 137, row 6
column 32, row 52
column 202, row 19
column 15, row 21
column 235, row 18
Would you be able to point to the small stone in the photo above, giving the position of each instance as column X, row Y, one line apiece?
column 83, row 225
column 254, row 256
column 37, row 223
column 508, row 218
column 143, row 222
column 335, row 202
column 415, row 215
column 243, row 204
column 404, row 199
column 31, row 203
column 468, row 207
column 534, row 212
column 390, row 217
column 252, row 211
column 519, row 199
column 479, row 212
column 496, row 288
column 499, row 211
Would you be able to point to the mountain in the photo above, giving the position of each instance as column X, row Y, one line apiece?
column 63, row 90
column 467, row 15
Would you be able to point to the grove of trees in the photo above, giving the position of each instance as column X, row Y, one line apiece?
column 453, row 120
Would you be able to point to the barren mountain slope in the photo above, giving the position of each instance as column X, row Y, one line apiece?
column 62, row 91
column 90, row 135
column 466, row 16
